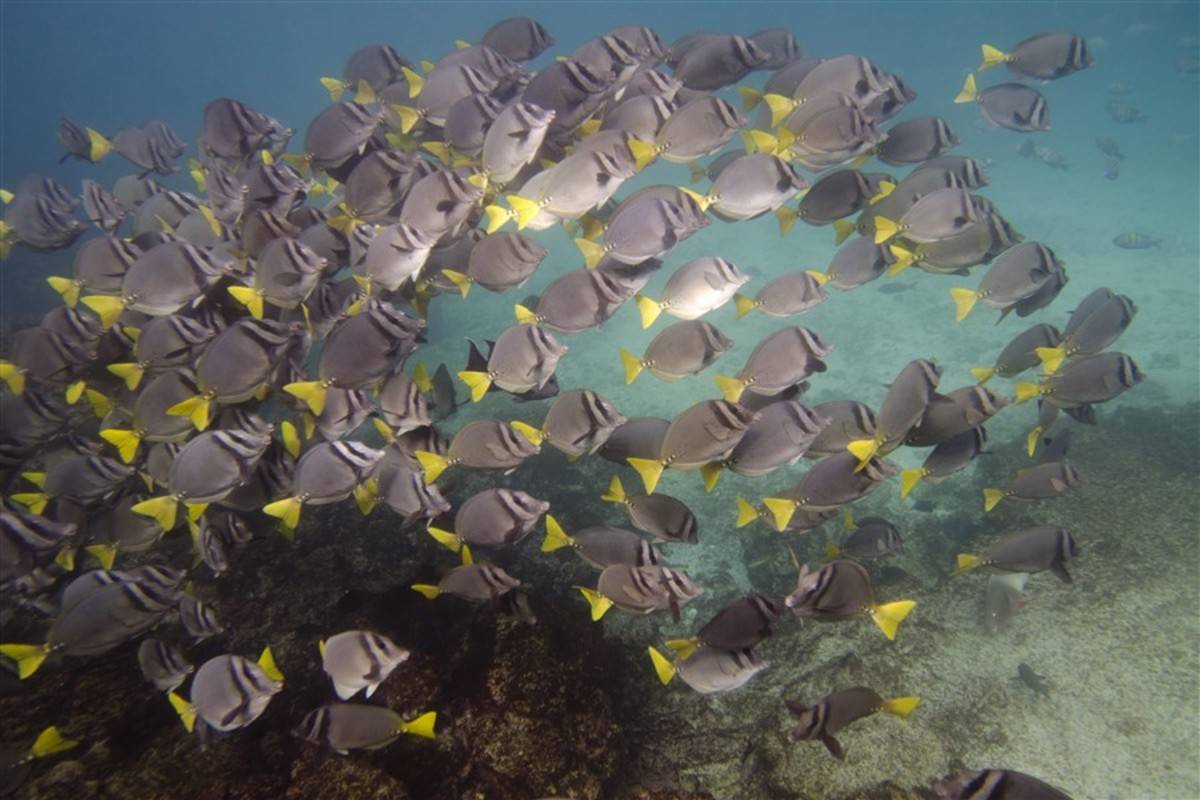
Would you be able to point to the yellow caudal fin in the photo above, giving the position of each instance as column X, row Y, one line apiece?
column 415, row 82
column 648, row 309
column 885, row 189
column 432, row 464
column 782, row 509
column 616, row 492
column 901, row 706
column 409, row 116
column 556, row 537
column 633, row 366
column 991, row 497
column 524, row 208
column 364, row 93
column 38, row 479
column 266, row 662
column 780, row 107
column 711, row 473
column 885, row 229
column 98, row 144
column 889, row 616
column 832, row 551
column 36, row 502
column 194, row 408
column 744, row 304
column 335, row 86
column 106, row 307
column 650, row 471
column 591, row 252
column 477, row 382
column 702, row 200
column 663, row 667
column 28, row 657
column 1032, row 439
column 750, row 98
column 385, row 432
column 965, row 563
column 909, row 478
column 290, row 437
column 863, row 449
column 498, row 217
column 964, row 301
column 968, row 92
column 446, row 539
column 842, row 229
column 126, row 442
column 787, row 216
column 848, row 521
column 185, row 710
column 101, row 405
column 746, row 513
column 366, row 495
column 536, row 436
column 65, row 558
column 129, row 372
column 992, row 57
column 1051, row 358
column 13, row 376
column 311, row 392
column 598, row 602
column 422, row 726
column 287, row 510
column 589, row 127
column 643, row 153
column 731, row 388
column 49, row 742
column 75, row 391
column 461, row 281
column 592, row 227
column 161, row 509
column 983, row 374
column 756, row 141
column 1027, row 391
column 696, row 173
column 106, row 554
column 683, row 648
column 524, row 315
column 421, row 378
column 250, row 297
column 904, row 259
column 67, row 288
column 428, row 590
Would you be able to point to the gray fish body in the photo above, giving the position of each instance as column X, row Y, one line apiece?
column 852, row 75
column 916, row 140
column 977, row 243
column 118, row 525
column 938, row 215
column 702, row 285
column 395, row 255
column 698, row 129
column 835, row 195
column 997, row 784
column 1049, row 479
column 355, row 660
column 1099, row 327
column 214, row 463
column 835, row 137
column 639, row 437
column 363, row 349
column 742, row 624
column 580, row 421
column 1033, row 550
column 439, row 202
column 468, row 121
column 836, row 480
column 780, row 435
column 108, row 616
column 165, row 279
column 488, row 444
column 344, row 411
column 919, row 183
column 1044, row 295
column 402, row 487
column 233, row 132
column 704, row 432
column 504, row 261
column 340, row 132
column 684, row 348
column 478, row 582
column 1092, row 379
column 753, row 185
column 872, row 537
column 1048, row 56
column 104, row 211
column 644, row 590
column 779, row 45
column 849, row 420
column 710, row 670
column 837, row 591
column 857, row 262
column 86, row 478
column 605, row 547
column 330, row 471
column 951, row 414
column 580, row 182
column 199, row 619
column 906, row 402
column 953, row 454
column 968, row 171
column 641, row 117
column 784, row 359
column 663, row 517
column 286, row 272
column 377, row 64
column 716, row 62
column 513, row 140
column 1002, row 600
column 518, row 38
column 352, row 726
column 831, row 714
column 100, row 264
column 1014, row 106
column 523, row 358
column 401, row 404
column 241, row 358
column 644, row 230
column 163, row 665
column 579, row 300
column 230, row 692
column 378, row 183
column 498, row 517
column 569, row 89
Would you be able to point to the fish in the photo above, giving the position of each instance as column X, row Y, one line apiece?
column 163, row 664
column 834, row 481
column 835, row 711
column 916, row 140
column 1085, row 381
column 356, row 660
column 602, row 546
column 327, row 473
column 1133, row 240
column 16, row 764
column 353, row 726
column 500, row 262
column 1045, row 56
column 199, row 619
column 493, row 518
column 684, row 348
column 947, row 457
column 751, row 186
column 229, row 692
column 474, row 582
column 1014, row 106
column 1036, row 683
column 782, row 359
column 935, row 217
column 704, row 432
column 996, row 784
column 523, row 358
column 518, row 38
column 569, row 89
column 1014, row 276
column 695, row 130
column 954, row 413
column 662, row 516
column 905, row 403
column 852, row 76
column 1032, row 550
column 641, row 590
column 85, row 478
column 738, row 626
column 395, row 255
column 1020, row 354
column 578, row 423
column 1048, row 479
column 575, row 301
column 513, row 140
column 641, row 230
column 481, row 444
column 870, row 537
column 1098, row 322
column 715, row 62
column 82, row 142
column 782, row 433
column 639, row 437
column 696, row 288
column 1003, row 599
column 709, row 670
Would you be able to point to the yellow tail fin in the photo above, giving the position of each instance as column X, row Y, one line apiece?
column 36, row 502
column 429, row 590
column 525, row 316
column 983, row 374
column 100, row 146
column 643, row 153
column 366, row 496
column 787, row 217
column 889, row 616
column 335, row 87
column 126, row 442
column 746, row 513
column 28, row 657
column 731, row 388
column 66, row 287
column 885, row 189
column 477, row 382
column 744, row 304
column 185, row 710
column 591, row 252
column 589, row 127
column 965, row 562
column 106, row 307
column 683, row 648
column 991, row 497
column 616, row 492
column 49, row 742
column 409, row 117
column 446, row 539
column 497, row 216
column 904, row 259
column 992, row 57
column 415, row 82
column 968, row 92
column 524, row 209
column 1032, row 439
column 161, row 509
column 556, row 537
column 885, row 229
column 311, row 392
column 633, row 366
column 832, row 551
column 106, row 554
column 195, row 408
column 598, row 602
column 432, row 464
column 909, row 478
column 843, row 228
column 711, row 473
column 287, row 510
column 663, row 667
column 782, row 509
column 649, row 310
column 750, row 98
column 251, row 298
column 422, row 726
column 1027, row 391
column 536, row 436
column 650, row 471
column 1051, row 358
column 128, row 372
column 964, row 301
column 864, row 450
column 75, row 391
column 901, row 706
column 780, row 107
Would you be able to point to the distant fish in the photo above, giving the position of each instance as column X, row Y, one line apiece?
column 1118, row 88
column 1037, row 683
column 1124, row 113
column 1109, row 147
column 1112, row 169
column 1051, row 157
column 1133, row 240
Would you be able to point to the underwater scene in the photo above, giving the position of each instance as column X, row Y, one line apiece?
column 603, row 401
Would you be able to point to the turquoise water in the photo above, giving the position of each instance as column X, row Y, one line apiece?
column 1124, row 636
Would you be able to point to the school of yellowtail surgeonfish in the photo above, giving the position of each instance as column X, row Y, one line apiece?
column 178, row 375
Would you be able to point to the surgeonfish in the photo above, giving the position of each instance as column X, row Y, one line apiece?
column 1048, row 479
column 357, row 659
column 835, row 711
column 1032, row 550
column 841, row 590
column 662, row 516
column 709, row 670
column 229, row 692
column 1045, row 56
column 353, row 726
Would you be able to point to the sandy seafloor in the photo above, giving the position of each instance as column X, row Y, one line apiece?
column 1120, row 648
